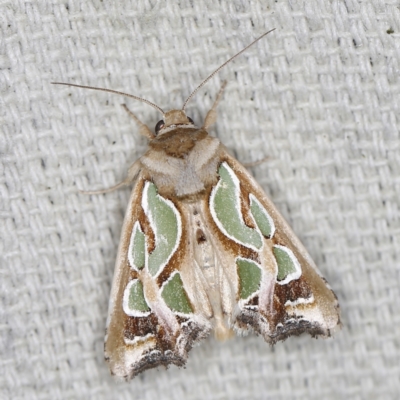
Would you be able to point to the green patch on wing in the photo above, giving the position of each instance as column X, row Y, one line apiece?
column 137, row 248
column 136, row 300
column 226, row 204
column 249, row 277
column 165, row 226
column 263, row 220
column 175, row 296
column 286, row 263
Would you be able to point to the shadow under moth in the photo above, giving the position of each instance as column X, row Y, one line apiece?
column 204, row 249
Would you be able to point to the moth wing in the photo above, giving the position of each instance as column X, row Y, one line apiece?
column 151, row 319
column 279, row 290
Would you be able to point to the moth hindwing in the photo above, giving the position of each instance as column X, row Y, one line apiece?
column 203, row 249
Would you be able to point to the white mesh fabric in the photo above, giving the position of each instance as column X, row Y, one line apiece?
column 320, row 97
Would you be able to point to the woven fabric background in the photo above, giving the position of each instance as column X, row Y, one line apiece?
column 320, row 97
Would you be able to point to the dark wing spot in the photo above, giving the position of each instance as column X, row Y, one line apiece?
column 200, row 236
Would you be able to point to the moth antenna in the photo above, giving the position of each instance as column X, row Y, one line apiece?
column 222, row 66
column 114, row 92
column 211, row 116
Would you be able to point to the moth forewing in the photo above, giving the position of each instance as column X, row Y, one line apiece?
column 318, row 313
column 161, row 325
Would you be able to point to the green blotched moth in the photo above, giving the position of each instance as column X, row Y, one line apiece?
column 203, row 249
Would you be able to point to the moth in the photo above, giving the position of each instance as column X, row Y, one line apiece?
column 204, row 249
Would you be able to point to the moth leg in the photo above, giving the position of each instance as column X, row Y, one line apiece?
column 255, row 163
column 131, row 176
column 144, row 130
column 211, row 116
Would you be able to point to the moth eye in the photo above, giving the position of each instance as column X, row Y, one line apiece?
column 159, row 125
column 190, row 120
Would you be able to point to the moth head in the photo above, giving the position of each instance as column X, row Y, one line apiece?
column 172, row 119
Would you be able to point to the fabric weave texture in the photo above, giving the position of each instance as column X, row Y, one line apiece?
column 319, row 98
